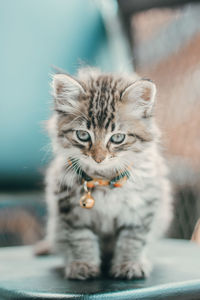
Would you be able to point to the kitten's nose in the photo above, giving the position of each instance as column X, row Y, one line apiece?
column 98, row 155
column 99, row 159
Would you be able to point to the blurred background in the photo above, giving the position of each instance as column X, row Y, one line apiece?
column 159, row 39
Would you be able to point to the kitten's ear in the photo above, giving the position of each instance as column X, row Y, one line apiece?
column 66, row 91
column 141, row 97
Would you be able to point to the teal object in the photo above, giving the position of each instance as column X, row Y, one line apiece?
column 176, row 275
column 36, row 35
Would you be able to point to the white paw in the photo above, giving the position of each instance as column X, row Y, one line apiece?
column 131, row 269
column 81, row 270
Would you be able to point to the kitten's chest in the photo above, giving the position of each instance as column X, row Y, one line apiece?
column 112, row 205
column 112, row 208
column 106, row 209
column 107, row 201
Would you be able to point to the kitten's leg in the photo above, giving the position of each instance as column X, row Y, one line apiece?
column 67, row 230
column 76, row 241
column 129, row 259
column 80, row 249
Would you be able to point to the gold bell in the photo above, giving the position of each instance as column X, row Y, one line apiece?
column 87, row 201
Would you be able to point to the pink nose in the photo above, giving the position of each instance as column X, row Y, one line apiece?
column 98, row 153
column 99, row 158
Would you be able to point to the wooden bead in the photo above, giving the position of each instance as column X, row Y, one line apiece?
column 90, row 184
column 87, row 201
column 117, row 184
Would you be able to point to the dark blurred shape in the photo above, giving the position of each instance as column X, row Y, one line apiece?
column 130, row 7
column 186, row 194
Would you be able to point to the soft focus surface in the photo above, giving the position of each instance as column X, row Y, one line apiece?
column 175, row 276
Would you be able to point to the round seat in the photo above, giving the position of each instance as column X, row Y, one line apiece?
column 176, row 275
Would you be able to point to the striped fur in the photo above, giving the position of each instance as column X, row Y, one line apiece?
column 127, row 218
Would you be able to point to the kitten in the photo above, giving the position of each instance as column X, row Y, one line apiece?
column 103, row 126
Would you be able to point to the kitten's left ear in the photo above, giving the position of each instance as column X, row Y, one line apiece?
column 66, row 91
column 141, row 97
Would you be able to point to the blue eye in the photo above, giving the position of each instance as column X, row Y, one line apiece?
column 117, row 138
column 83, row 135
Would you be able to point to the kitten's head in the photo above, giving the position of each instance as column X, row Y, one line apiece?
column 102, row 120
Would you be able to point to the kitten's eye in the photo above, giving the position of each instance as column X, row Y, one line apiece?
column 117, row 138
column 83, row 135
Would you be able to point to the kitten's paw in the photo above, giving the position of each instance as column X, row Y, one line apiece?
column 81, row 270
column 130, row 269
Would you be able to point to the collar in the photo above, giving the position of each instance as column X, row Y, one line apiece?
column 117, row 181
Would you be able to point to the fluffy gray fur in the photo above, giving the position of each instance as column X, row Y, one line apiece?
column 116, row 232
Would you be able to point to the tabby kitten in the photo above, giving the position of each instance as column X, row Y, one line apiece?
column 103, row 127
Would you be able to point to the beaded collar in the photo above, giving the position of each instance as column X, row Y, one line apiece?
column 89, row 183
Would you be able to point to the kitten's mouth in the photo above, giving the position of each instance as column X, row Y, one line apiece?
column 103, row 169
